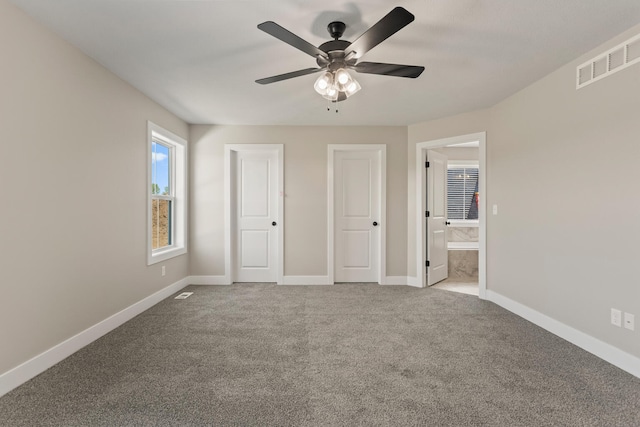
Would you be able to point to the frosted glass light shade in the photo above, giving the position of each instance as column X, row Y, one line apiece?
column 323, row 83
column 352, row 87
column 342, row 76
column 332, row 93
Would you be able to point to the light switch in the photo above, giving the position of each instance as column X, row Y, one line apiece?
column 495, row 209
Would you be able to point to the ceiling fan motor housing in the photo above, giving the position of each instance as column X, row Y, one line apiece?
column 336, row 29
column 335, row 50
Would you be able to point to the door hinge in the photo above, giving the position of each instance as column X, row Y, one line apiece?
column 426, row 164
column 426, row 263
column 426, row 214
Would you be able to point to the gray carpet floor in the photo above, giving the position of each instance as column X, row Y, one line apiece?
column 344, row 355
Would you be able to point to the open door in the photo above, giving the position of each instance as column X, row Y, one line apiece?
column 436, row 218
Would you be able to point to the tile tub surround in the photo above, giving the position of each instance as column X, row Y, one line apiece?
column 463, row 264
column 463, row 234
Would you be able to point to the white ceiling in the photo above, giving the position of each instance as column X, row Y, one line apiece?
column 199, row 59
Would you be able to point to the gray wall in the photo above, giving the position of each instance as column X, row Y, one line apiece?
column 563, row 162
column 561, row 167
column 73, row 169
column 305, row 186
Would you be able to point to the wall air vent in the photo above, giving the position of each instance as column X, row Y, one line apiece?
column 611, row 61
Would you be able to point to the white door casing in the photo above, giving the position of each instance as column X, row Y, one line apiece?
column 356, row 213
column 253, row 242
column 437, row 251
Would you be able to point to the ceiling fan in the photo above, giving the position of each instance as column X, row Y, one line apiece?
column 337, row 56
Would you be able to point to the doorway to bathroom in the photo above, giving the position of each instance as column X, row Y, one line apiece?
column 458, row 244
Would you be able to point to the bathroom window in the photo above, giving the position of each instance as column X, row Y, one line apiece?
column 462, row 193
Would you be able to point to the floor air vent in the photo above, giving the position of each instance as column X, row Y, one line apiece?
column 612, row 61
column 184, row 295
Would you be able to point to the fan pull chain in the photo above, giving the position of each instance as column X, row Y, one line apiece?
column 329, row 105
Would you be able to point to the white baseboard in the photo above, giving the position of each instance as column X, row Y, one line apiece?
column 413, row 281
column 396, row 280
column 611, row 354
column 208, row 280
column 40, row 363
column 324, row 280
column 291, row 280
column 306, row 280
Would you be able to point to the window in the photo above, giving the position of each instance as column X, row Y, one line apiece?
column 462, row 192
column 167, row 191
column 162, row 194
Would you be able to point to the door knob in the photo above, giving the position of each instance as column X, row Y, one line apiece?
column 375, row 223
column 447, row 223
column 273, row 223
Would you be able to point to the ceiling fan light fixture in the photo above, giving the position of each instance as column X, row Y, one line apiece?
column 323, row 83
column 352, row 87
column 332, row 93
column 342, row 76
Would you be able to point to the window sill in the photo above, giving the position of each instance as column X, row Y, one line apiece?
column 165, row 254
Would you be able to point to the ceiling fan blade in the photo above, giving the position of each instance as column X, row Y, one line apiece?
column 397, row 70
column 290, row 75
column 393, row 22
column 288, row 37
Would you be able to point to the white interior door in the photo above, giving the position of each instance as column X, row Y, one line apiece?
column 437, row 252
column 357, row 220
column 257, row 216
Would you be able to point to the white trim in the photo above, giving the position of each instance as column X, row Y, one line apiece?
column 229, row 220
column 413, row 282
column 396, row 280
column 482, row 218
column 383, row 214
column 38, row 364
column 421, row 149
column 180, row 191
column 324, row 280
column 607, row 352
column 463, row 246
column 382, row 250
column 451, row 164
column 307, row 280
column 208, row 280
column 330, row 217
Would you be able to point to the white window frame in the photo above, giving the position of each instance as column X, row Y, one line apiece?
column 453, row 164
column 178, row 190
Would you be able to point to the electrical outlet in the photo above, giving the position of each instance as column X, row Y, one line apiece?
column 164, row 271
column 629, row 321
column 616, row 317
